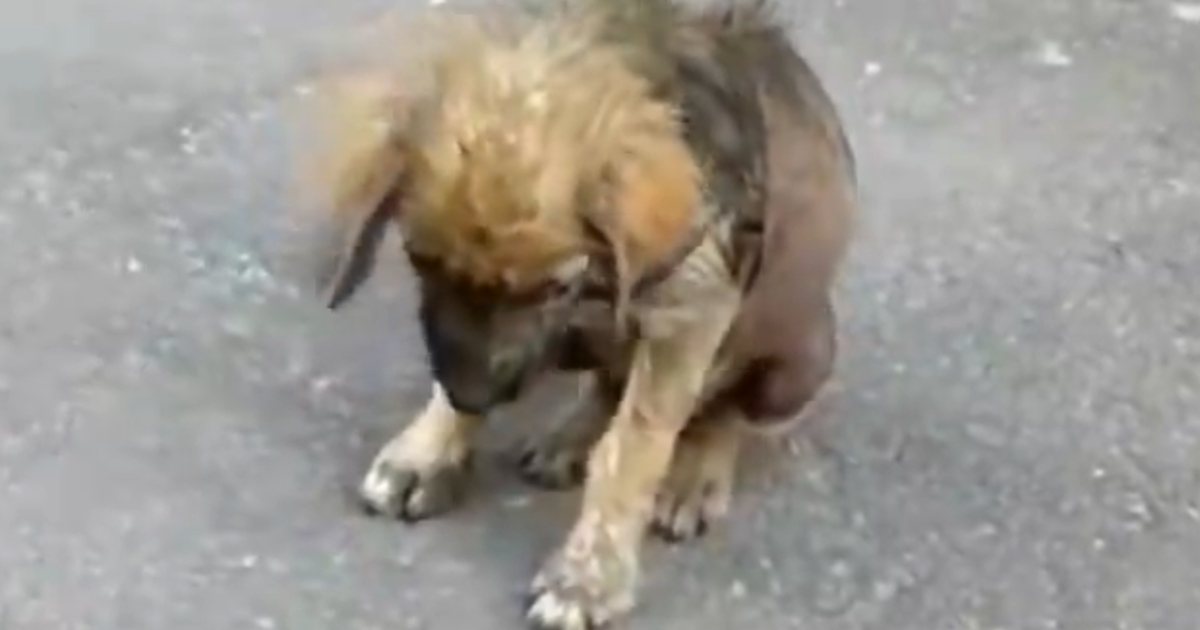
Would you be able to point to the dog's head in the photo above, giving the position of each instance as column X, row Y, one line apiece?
column 528, row 157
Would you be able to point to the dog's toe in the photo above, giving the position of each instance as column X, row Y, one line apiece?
column 552, row 468
column 410, row 493
column 552, row 611
column 584, row 593
column 687, row 513
column 695, row 495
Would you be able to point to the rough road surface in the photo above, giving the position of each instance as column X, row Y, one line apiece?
column 1015, row 444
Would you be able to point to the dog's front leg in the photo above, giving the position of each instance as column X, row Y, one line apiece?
column 423, row 471
column 592, row 578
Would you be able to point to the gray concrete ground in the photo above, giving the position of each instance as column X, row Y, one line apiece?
column 1015, row 444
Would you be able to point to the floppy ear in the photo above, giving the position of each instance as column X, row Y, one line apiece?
column 649, row 210
column 348, row 249
column 360, row 170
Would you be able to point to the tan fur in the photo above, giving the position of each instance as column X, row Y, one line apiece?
column 699, row 487
column 523, row 134
column 355, row 116
column 556, row 136
column 655, row 199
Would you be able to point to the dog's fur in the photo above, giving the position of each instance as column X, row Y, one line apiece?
column 657, row 196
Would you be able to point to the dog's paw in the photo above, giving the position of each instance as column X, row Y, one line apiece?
column 412, row 491
column 695, row 495
column 584, row 593
column 552, row 464
column 687, row 512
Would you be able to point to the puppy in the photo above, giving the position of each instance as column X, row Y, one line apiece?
column 656, row 196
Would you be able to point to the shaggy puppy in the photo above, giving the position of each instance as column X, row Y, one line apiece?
column 657, row 196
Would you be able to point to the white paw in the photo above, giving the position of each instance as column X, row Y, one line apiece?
column 410, row 491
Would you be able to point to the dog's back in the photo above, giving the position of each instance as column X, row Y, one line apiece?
column 808, row 175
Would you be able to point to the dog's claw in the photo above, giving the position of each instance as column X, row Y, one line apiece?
column 586, row 594
column 696, row 493
column 682, row 517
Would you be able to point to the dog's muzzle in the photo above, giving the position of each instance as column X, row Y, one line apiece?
column 477, row 376
column 477, row 392
column 482, row 360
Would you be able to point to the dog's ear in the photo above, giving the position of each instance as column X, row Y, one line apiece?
column 360, row 170
column 348, row 247
column 648, row 207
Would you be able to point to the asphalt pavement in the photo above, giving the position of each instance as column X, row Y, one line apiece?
column 1014, row 443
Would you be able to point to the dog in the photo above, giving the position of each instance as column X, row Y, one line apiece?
column 654, row 196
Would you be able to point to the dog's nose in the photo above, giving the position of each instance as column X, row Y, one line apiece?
column 506, row 367
column 469, row 403
column 472, row 396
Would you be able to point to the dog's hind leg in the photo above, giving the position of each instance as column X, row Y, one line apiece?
column 767, row 399
column 782, row 391
column 424, row 470
column 699, row 486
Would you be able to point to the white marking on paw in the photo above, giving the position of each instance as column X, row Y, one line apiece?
column 552, row 612
column 376, row 486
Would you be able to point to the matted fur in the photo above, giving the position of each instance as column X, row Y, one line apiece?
column 681, row 172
